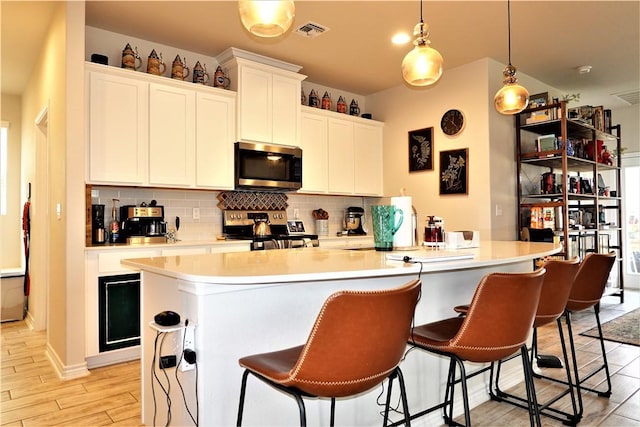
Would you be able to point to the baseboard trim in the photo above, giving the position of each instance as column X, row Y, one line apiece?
column 66, row 372
column 113, row 357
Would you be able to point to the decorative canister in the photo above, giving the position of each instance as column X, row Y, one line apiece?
column 155, row 65
column 303, row 97
column 314, row 101
column 130, row 58
column 179, row 69
column 341, row 106
column 200, row 74
column 220, row 79
column 354, row 110
column 326, row 101
column 322, row 227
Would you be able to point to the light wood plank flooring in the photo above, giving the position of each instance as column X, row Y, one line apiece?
column 32, row 395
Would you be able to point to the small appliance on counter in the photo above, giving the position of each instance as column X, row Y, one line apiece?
column 462, row 239
column 267, row 229
column 98, row 231
column 143, row 224
column 434, row 232
column 353, row 219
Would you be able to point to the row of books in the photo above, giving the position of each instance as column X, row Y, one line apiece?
column 543, row 217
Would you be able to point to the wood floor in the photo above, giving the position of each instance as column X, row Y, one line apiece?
column 32, row 395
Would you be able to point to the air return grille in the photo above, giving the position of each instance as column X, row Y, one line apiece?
column 311, row 29
column 631, row 97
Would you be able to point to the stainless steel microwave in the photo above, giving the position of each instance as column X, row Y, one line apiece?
column 267, row 166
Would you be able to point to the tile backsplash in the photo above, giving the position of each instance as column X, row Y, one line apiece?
column 180, row 203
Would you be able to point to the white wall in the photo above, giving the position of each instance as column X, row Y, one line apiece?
column 53, row 161
column 629, row 120
column 490, row 205
column 11, row 246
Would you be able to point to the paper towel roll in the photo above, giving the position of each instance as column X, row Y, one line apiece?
column 405, row 234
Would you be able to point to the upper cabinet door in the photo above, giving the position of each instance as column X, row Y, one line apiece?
column 368, row 159
column 268, row 103
column 313, row 141
column 255, row 118
column 286, row 110
column 341, row 157
column 117, row 129
column 171, row 135
column 215, row 135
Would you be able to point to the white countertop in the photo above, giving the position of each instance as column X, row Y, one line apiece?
column 314, row 264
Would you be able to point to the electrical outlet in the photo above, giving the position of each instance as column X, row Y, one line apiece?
column 167, row 362
column 189, row 335
column 196, row 213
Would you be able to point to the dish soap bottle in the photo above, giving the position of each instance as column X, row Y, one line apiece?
column 114, row 225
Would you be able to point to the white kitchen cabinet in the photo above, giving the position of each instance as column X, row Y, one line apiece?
column 268, row 97
column 341, row 154
column 314, row 144
column 118, row 132
column 172, row 139
column 147, row 130
column 367, row 142
column 341, row 157
column 215, row 135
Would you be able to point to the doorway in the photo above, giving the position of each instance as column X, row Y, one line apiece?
column 631, row 218
column 38, row 302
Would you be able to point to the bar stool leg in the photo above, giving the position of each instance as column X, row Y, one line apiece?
column 243, row 389
column 534, row 414
column 403, row 395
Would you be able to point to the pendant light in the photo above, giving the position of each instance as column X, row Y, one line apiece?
column 512, row 98
column 423, row 65
column 265, row 18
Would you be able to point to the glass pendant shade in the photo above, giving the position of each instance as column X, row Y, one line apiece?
column 266, row 18
column 423, row 65
column 512, row 98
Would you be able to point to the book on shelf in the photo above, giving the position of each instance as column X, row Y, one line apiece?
column 543, row 217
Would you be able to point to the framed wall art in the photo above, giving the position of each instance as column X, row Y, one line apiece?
column 454, row 168
column 539, row 100
column 421, row 150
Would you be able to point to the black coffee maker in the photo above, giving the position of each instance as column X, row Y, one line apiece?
column 98, row 232
column 353, row 219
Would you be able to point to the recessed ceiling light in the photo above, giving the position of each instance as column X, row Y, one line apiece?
column 400, row 38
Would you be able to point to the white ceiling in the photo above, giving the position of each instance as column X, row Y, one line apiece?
column 550, row 39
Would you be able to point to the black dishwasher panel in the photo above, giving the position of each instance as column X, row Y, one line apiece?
column 119, row 311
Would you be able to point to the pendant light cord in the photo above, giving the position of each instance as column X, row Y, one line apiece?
column 421, row 21
column 508, row 26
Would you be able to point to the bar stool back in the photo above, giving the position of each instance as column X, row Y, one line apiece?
column 357, row 341
column 586, row 292
column 496, row 326
column 556, row 287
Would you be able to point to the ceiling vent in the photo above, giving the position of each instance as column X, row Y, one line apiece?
column 631, row 97
column 311, row 29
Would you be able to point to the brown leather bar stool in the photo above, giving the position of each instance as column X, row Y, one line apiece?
column 497, row 324
column 556, row 286
column 586, row 292
column 357, row 341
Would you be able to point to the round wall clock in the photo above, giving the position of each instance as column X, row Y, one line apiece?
column 452, row 122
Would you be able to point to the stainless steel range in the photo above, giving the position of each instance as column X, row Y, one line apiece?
column 267, row 229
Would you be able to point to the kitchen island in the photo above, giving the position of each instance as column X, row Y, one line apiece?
column 246, row 303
